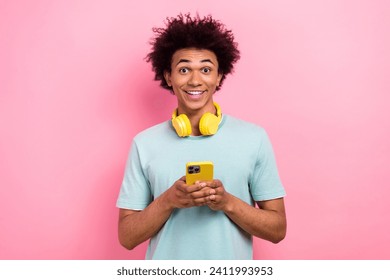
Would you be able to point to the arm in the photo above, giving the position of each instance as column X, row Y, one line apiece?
column 135, row 227
column 267, row 222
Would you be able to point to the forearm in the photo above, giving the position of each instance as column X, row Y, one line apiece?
column 137, row 227
column 263, row 223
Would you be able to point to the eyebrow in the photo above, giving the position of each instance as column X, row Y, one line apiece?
column 186, row 60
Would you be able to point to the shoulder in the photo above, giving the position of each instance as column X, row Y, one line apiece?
column 160, row 132
column 245, row 133
column 242, row 127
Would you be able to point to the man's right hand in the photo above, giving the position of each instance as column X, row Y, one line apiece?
column 181, row 195
column 136, row 226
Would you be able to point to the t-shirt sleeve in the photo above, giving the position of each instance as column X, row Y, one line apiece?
column 265, row 183
column 135, row 190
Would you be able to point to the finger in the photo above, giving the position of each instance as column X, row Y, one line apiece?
column 201, row 183
column 181, row 181
column 212, row 191
column 193, row 188
column 204, row 192
column 215, row 184
column 181, row 184
column 201, row 201
column 197, row 186
column 181, row 188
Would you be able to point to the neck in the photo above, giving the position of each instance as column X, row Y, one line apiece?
column 195, row 125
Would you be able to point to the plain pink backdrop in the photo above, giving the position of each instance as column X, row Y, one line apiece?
column 75, row 89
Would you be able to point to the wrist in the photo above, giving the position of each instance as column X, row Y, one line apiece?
column 165, row 203
column 228, row 207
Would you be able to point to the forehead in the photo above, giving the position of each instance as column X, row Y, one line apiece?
column 192, row 55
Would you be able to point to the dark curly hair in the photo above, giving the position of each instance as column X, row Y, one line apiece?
column 187, row 32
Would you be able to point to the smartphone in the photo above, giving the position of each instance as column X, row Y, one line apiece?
column 199, row 171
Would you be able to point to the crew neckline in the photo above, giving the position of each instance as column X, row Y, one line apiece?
column 200, row 137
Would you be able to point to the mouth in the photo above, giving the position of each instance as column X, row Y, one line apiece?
column 194, row 92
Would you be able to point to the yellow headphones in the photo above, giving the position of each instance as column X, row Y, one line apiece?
column 208, row 124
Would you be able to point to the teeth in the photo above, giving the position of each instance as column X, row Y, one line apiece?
column 197, row 92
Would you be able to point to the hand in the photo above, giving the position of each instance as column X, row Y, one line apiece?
column 181, row 195
column 218, row 197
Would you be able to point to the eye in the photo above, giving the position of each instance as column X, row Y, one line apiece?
column 206, row 70
column 184, row 70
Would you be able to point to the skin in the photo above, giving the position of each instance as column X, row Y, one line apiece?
column 192, row 71
column 196, row 71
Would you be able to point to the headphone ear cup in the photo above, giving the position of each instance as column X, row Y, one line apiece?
column 182, row 125
column 208, row 124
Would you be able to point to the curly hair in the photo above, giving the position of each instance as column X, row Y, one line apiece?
column 187, row 32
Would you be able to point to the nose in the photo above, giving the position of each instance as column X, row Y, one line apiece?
column 195, row 79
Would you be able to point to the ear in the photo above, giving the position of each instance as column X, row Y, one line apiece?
column 167, row 77
column 219, row 78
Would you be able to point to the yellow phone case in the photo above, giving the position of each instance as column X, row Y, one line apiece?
column 199, row 171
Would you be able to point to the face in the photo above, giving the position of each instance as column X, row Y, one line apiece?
column 194, row 78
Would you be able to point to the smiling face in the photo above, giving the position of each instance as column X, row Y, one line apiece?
column 194, row 78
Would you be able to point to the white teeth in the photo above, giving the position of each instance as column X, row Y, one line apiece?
column 194, row 92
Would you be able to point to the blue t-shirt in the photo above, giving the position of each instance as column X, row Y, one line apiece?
column 243, row 161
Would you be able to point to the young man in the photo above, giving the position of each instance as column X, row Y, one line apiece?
column 209, row 219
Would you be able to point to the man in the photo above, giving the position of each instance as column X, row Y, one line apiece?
column 209, row 219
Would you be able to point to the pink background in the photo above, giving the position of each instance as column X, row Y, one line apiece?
column 75, row 89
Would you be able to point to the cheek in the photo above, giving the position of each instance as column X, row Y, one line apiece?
column 212, row 82
column 177, row 80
